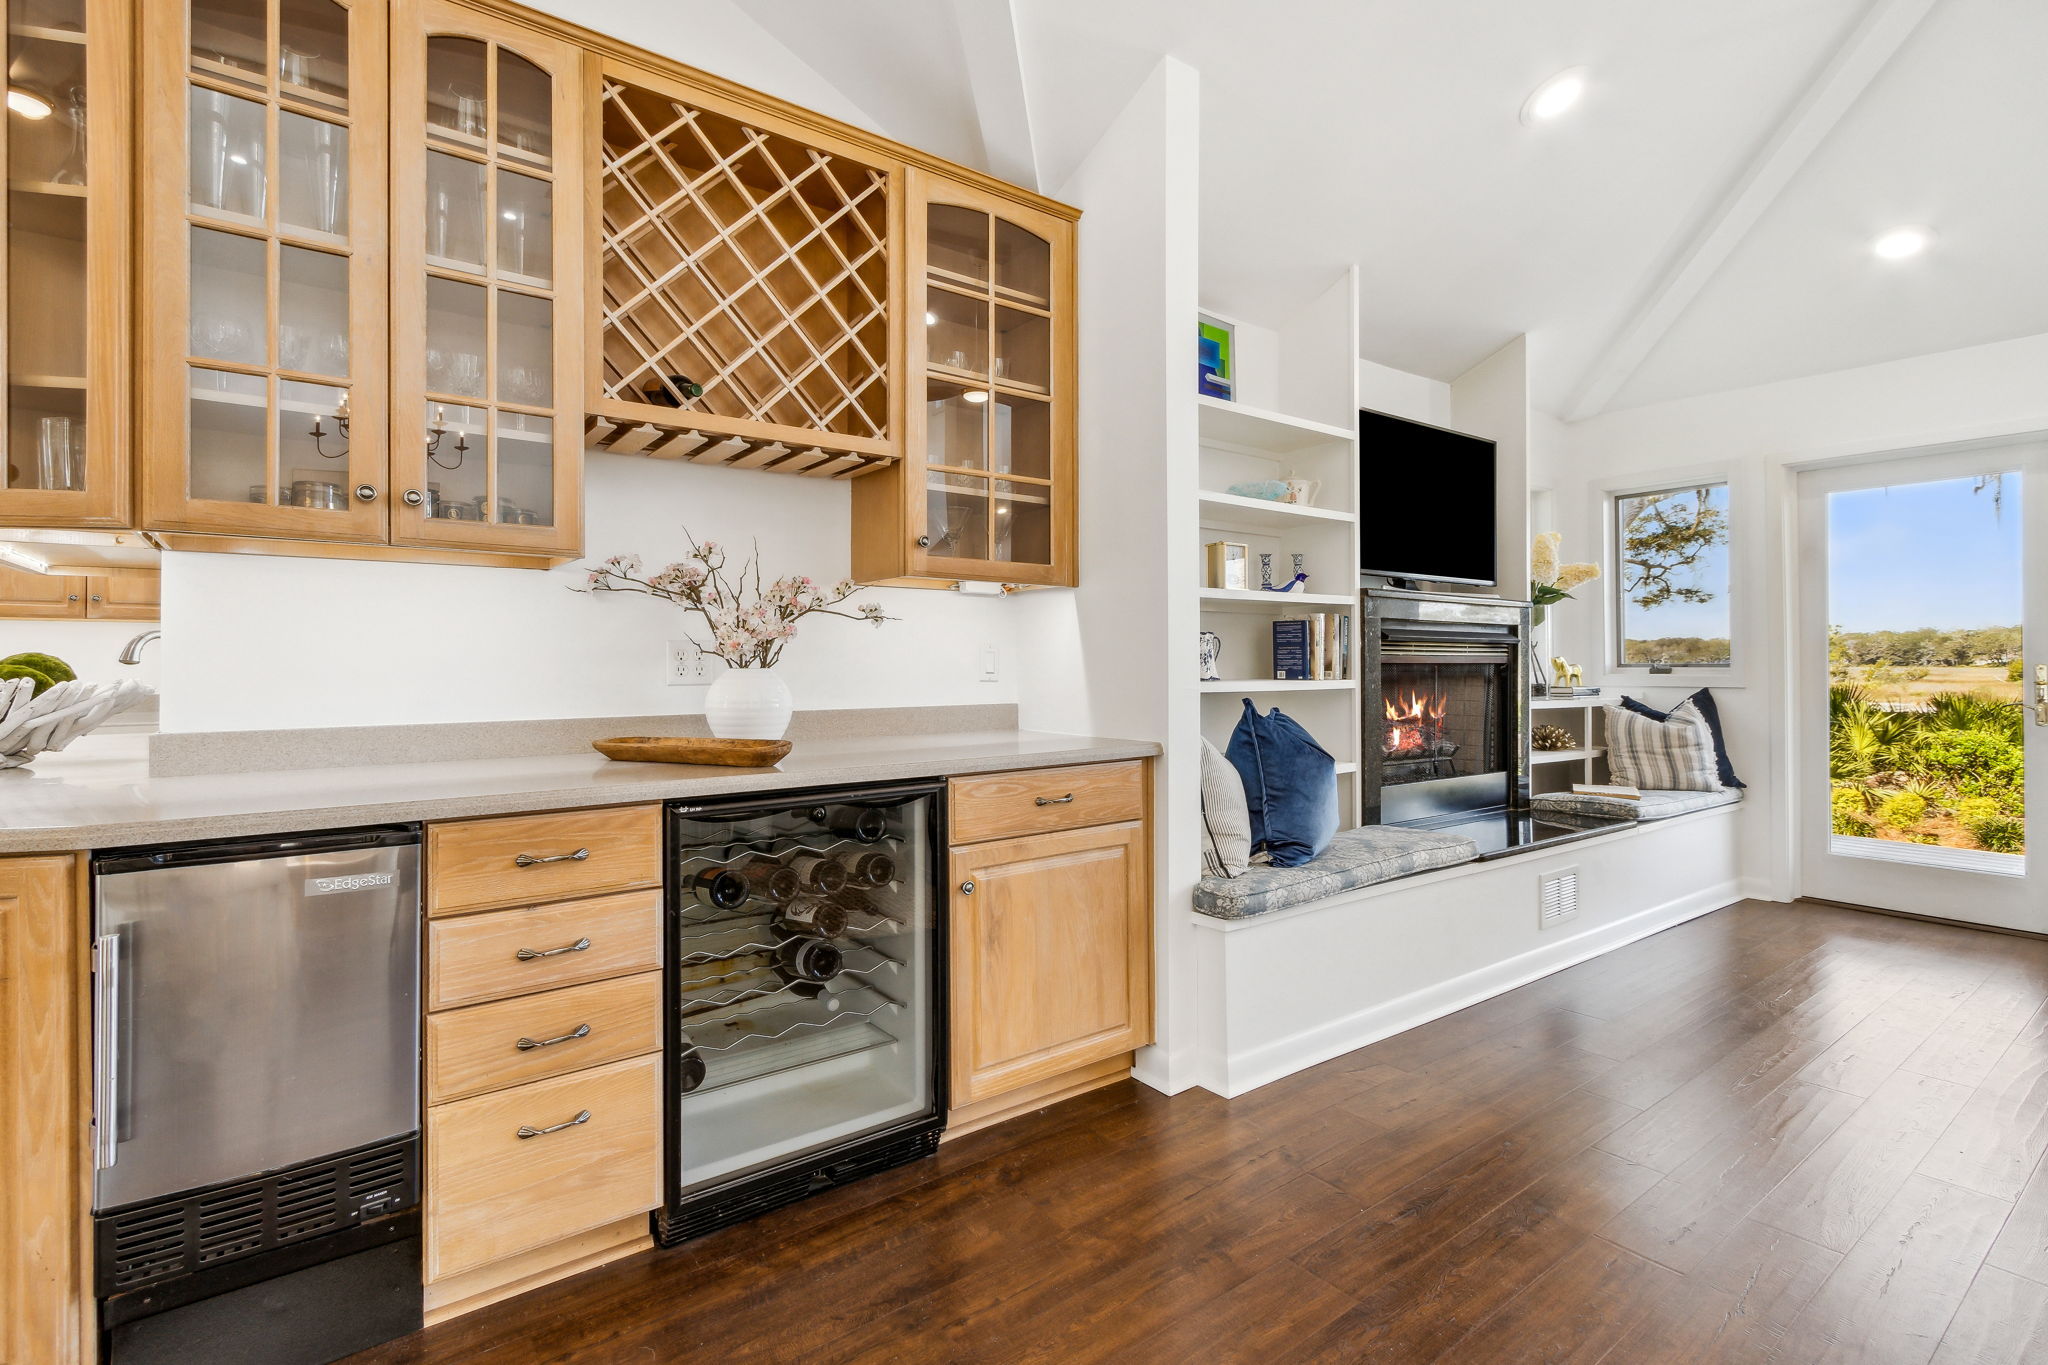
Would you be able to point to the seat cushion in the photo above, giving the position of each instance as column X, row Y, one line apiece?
column 1355, row 858
column 1290, row 786
column 1655, row 805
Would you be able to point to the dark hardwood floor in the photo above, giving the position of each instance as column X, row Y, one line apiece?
column 1778, row 1133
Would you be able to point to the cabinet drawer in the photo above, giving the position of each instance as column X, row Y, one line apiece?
column 478, row 958
column 1002, row 805
column 525, row 859
column 474, row 1050
column 492, row 1193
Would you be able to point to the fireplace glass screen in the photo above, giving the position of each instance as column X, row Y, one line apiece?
column 1440, row 720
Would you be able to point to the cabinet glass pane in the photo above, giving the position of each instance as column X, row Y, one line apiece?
column 230, row 313
column 228, row 171
column 45, row 440
column 1023, row 436
column 956, row 516
column 955, row 430
column 312, row 52
column 526, row 227
column 455, row 212
column 526, row 350
column 956, row 332
column 526, row 470
column 45, row 295
column 229, row 38
column 457, row 457
column 458, row 89
column 525, row 108
column 310, row 469
column 1023, row 523
column 312, row 311
column 312, row 190
column 1023, row 349
column 1023, row 264
column 455, row 338
column 956, row 243
column 46, row 123
column 226, row 437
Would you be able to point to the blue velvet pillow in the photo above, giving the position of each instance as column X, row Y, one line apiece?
column 1704, row 700
column 1290, row 786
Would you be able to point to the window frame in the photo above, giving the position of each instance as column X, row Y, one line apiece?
column 1725, row 674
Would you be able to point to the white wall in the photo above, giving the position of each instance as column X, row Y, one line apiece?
column 88, row 646
column 1754, row 437
column 1492, row 400
column 1401, row 394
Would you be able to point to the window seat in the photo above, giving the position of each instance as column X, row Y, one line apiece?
column 1654, row 805
column 1355, row 858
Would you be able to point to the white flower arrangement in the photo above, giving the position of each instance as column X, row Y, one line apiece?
column 750, row 625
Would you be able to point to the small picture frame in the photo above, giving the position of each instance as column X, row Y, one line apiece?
column 1216, row 353
column 1229, row 565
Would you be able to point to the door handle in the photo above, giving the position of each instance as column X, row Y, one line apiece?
column 526, row 1131
column 529, row 1044
column 530, row 954
column 106, row 1068
column 538, row 859
column 1053, row 800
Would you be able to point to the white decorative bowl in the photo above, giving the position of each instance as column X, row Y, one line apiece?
column 31, row 725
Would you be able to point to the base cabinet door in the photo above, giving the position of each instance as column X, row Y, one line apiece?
column 26, row 596
column 124, row 597
column 1051, row 956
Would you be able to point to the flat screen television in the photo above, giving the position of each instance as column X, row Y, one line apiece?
column 1425, row 502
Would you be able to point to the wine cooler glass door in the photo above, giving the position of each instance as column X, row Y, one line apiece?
column 803, row 980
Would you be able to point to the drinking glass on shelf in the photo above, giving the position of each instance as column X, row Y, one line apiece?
column 293, row 347
column 471, row 114
column 526, row 384
column 295, row 67
column 466, row 374
column 59, row 453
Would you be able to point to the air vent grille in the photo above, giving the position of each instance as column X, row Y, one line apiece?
column 180, row 1236
column 1557, row 895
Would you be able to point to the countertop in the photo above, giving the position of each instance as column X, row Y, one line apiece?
column 99, row 794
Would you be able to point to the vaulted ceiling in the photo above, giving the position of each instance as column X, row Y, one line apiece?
column 1701, row 220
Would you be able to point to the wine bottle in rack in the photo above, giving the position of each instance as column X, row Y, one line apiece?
column 872, row 868
column 771, row 879
column 689, row 1069
column 719, row 887
column 813, row 915
column 866, row 824
column 860, row 906
column 820, row 872
column 808, row 960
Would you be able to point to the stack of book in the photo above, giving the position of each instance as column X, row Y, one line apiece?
column 1307, row 648
column 1615, row 791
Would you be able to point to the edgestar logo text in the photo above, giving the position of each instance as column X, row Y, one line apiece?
column 327, row 886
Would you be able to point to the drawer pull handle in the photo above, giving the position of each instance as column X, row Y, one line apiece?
column 537, row 859
column 1055, row 800
column 527, row 1132
column 530, row 954
column 528, row 1044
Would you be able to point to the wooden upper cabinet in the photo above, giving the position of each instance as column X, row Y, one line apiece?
column 746, row 299
column 985, row 490
column 64, row 273
column 264, row 222
column 487, row 271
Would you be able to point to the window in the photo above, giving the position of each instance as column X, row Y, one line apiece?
column 1671, row 593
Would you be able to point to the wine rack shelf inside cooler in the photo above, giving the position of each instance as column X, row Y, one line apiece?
column 790, row 1033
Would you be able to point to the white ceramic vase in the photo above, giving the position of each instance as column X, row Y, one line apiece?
column 748, row 703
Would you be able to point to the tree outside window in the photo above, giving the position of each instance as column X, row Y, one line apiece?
column 1672, row 588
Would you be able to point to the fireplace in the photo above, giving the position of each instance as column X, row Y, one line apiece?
column 1444, row 713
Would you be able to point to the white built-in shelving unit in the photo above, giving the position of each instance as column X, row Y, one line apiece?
column 1554, row 770
column 1294, row 416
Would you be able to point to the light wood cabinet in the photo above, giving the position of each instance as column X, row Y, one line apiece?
column 985, row 489
column 26, row 596
column 1051, row 951
column 65, row 270
column 124, row 597
column 524, row 859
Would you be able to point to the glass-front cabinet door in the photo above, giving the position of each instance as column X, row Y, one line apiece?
column 991, row 420
column 486, row 429
column 64, row 274
column 264, row 343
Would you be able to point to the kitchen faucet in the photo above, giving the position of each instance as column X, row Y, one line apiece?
column 131, row 653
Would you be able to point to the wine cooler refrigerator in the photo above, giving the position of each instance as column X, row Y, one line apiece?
column 806, row 997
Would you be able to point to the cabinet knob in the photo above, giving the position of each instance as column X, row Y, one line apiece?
column 967, row 888
column 72, row 598
column 366, row 492
column 924, row 542
column 95, row 597
column 413, row 497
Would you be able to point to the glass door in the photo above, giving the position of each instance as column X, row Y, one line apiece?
column 486, row 422
column 65, row 274
column 994, row 372
column 267, row 270
column 1921, row 685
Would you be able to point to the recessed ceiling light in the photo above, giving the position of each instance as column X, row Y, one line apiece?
column 1554, row 96
column 27, row 103
column 1901, row 243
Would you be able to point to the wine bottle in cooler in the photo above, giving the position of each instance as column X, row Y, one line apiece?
column 871, row 867
column 772, row 880
column 866, row 824
column 820, row 872
column 813, row 915
column 862, row 912
column 718, row 887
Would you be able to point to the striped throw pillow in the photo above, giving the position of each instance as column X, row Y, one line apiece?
column 1675, row 754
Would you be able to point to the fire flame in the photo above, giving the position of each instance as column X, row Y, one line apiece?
column 1412, row 719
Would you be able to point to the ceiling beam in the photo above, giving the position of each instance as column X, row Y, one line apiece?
column 995, row 81
column 1876, row 39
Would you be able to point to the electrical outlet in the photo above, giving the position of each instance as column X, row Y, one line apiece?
column 687, row 666
column 991, row 669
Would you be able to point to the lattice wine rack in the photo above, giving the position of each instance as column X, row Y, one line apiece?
column 753, row 265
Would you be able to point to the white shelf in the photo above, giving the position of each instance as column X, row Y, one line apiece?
column 1231, row 512
column 1257, row 599
column 1257, row 429
column 1563, row 755
column 1281, row 685
column 1567, row 703
column 1346, row 768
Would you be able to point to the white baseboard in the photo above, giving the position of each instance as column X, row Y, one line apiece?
column 1268, row 1062
column 1168, row 1073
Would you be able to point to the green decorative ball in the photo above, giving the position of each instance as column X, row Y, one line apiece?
column 42, row 681
column 49, row 665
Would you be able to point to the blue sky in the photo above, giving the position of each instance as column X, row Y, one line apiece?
column 1924, row 554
